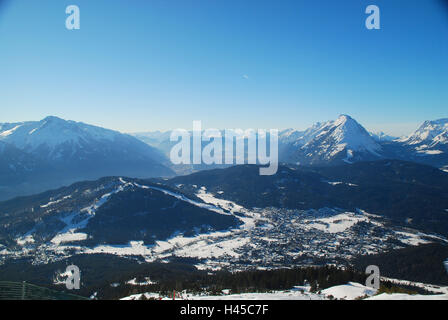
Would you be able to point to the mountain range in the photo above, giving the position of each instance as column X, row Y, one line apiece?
column 39, row 155
column 344, row 140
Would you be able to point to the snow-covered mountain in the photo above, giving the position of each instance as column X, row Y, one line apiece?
column 300, row 138
column 427, row 145
column 56, row 139
column 341, row 140
column 103, row 214
column 430, row 138
column 71, row 151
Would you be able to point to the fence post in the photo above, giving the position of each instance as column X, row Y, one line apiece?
column 23, row 290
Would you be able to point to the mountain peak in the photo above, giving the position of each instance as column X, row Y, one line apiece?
column 53, row 118
column 344, row 118
column 343, row 139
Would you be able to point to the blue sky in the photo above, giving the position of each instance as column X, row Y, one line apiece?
column 160, row 64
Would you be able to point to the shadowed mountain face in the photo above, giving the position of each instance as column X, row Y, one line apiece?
column 234, row 217
column 411, row 194
column 57, row 152
column 107, row 211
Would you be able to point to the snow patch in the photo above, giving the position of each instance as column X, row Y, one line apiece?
column 430, row 152
column 25, row 240
column 337, row 223
column 69, row 237
column 349, row 291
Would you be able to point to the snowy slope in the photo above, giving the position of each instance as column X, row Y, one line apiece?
column 430, row 133
column 428, row 144
column 51, row 131
column 299, row 138
column 344, row 140
column 343, row 134
column 430, row 139
column 349, row 291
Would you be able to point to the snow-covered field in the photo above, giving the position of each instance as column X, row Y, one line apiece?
column 349, row 291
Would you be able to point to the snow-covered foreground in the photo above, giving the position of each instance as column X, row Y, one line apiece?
column 296, row 293
column 349, row 291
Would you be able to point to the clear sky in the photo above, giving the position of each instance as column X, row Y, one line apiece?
column 159, row 64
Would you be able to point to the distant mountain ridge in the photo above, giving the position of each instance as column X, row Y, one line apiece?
column 344, row 140
column 430, row 138
column 56, row 139
column 428, row 144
